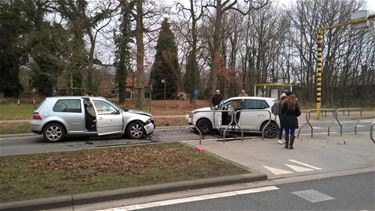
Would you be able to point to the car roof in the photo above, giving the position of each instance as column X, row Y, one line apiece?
column 77, row 97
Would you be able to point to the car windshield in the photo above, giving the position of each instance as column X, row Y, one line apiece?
column 217, row 107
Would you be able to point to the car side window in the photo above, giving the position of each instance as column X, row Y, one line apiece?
column 256, row 104
column 68, row 105
column 104, row 108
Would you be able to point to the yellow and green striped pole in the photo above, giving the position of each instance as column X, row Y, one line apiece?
column 319, row 71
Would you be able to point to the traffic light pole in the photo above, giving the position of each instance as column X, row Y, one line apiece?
column 319, row 63
column 319, row 66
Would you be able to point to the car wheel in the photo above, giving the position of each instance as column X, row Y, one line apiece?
column 53, row 132
column 204, row 125
column 271, row 130
column 135, row 130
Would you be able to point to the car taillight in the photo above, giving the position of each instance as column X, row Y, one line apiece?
column 37, row 116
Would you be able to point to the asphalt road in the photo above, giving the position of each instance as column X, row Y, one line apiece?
column 34, row 144
column 353, row 192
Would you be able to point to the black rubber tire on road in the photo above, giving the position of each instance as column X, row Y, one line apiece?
column 54, row 132
column 135, row 130
column 271, row 131
column 204, row 125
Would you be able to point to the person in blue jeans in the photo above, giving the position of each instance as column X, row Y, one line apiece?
column 289, row 121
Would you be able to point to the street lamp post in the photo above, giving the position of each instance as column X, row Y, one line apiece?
column 357, row 20
column 165, row 86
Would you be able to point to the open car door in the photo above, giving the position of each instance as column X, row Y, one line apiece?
column 109, row 119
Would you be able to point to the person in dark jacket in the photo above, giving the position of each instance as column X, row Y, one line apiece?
column 289, row 112
column 217, row 98
column 283, row 96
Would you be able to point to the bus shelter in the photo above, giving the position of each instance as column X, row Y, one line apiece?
column 271, row 90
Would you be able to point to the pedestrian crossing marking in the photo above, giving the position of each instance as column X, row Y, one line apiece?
column 305, row 164
column 313, row 195
column 277, row 171
column 298, row 168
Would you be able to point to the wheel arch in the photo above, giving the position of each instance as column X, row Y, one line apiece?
column 272, row 122
column 129, row 123
column 56, row 122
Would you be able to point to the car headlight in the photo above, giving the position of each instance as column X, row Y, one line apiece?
column 148, row 121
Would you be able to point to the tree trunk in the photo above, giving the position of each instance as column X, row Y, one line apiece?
column 140, row 55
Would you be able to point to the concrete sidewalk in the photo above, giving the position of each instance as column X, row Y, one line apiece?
column 320, row 154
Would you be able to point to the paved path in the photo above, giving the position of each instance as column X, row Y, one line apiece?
column 319, row 154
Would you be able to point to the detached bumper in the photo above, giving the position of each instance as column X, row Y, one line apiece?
column 149, row 128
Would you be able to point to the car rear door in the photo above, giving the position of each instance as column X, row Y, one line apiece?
column 70, row 111
column 109, row 119
column 252, row 120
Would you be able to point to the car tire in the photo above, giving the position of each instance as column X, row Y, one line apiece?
column 204, row 125
column 135, row 130
column 53, row 132
column 272, row 129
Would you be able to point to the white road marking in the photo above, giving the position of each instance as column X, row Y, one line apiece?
column 192, row 199
column 277, row 171
column 362, row 125
column 298, row 168
column 313, row 195
column 318, row 128
column 324, row 133
column 305, row 164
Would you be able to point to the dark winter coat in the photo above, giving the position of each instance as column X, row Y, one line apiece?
column 216, row 99
column 288, row 117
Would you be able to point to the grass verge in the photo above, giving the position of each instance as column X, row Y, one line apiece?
column 14, row 128
column 52, row 174
column 13, row 111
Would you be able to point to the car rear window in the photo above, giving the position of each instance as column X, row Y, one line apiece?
column 68, row 105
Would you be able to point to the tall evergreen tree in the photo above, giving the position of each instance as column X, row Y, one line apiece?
column 123, row 52
column 191, row 76
column 165, row 65
column 15, row 21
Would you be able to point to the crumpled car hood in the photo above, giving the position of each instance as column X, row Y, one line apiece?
column 138, row 112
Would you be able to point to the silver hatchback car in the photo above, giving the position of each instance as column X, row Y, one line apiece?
column 57, row 117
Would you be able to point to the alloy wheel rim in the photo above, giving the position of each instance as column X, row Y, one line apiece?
column 136, row 131
column 54, row 133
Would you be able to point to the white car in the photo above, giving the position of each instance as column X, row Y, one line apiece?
column 218, row 118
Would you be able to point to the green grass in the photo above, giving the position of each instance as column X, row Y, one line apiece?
column 14, row 128
column 53, row 174
column 14, row 111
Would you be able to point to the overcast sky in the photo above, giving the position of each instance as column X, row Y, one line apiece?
column 370, row 3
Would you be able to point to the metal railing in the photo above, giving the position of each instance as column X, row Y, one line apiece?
column 348, row 110
column 231, row 125
column 253, row 111
column 372, row 131
column 308, row 118
column 335, row 118
column 213, row 123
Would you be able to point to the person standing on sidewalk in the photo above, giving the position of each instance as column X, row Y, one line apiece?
column 276, row 110
column 289, row 113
